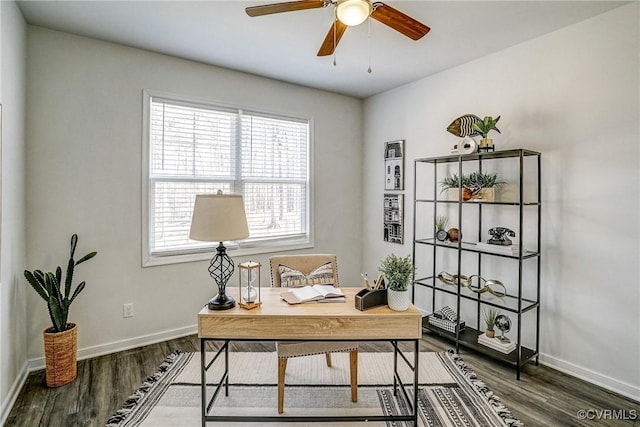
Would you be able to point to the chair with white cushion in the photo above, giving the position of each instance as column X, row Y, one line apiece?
column 300, row 270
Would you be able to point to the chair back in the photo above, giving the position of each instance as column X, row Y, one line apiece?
column 303, row 263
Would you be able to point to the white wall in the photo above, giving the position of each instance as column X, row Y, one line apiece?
column 84, row 175
column 12, row 223
column 572, row 95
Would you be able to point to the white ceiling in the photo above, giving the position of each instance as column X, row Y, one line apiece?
column 284, row 46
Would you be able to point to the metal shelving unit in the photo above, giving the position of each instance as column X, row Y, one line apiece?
column 515, row 302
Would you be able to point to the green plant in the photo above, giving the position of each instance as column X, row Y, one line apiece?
column 486, row 125
column 48, row 286
column 454, row 181
column 476, row 181
column 441, row 223
column 490, row 317
column 398, row 272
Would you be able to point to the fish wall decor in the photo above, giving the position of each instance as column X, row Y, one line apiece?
column 463, row 126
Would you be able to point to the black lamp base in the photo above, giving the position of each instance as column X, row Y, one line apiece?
column 225, row 303
column 221, row 270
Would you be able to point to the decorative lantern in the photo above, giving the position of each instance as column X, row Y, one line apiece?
column 250, row 277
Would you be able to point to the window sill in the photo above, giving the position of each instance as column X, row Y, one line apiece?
column 151, row 260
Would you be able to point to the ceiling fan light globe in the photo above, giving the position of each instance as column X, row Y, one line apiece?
column 353, row 12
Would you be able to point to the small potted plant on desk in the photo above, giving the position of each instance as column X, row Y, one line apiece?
column 60, row 340
column 398, row 275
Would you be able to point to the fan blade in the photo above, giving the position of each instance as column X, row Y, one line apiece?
column 328, row 44
column 290, row 6
column 399, row 21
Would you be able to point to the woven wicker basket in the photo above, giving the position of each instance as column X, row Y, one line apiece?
column 60, row 351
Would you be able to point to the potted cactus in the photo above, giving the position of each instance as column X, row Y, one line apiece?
column 61, row 339
column 398, row 275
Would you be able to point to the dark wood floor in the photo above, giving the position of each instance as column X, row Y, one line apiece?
column 543, row 396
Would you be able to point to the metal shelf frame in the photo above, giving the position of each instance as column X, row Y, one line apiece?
column 515, row 303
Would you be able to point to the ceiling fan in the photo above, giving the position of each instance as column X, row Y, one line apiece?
column 348, row 13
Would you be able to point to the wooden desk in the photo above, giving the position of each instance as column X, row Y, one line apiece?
column 275, row 320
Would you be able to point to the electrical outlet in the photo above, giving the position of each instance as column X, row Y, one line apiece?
column 127, row 310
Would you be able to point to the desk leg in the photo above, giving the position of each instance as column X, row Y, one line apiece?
column 395, row 368
column 416, row 359
column 203, row 382
column 398, row 383
column 226, row 368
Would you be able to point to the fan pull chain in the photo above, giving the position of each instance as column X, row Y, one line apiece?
column 369, row 42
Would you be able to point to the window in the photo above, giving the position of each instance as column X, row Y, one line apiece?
column 196, row 148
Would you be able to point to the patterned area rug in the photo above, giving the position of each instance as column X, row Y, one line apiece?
column 449, row 395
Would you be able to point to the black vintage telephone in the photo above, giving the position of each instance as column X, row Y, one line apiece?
column 499, row 236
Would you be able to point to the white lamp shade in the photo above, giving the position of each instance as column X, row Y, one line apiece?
column 218, row 218
column 353, row 12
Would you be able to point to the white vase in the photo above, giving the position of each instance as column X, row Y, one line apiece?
column 398, row 300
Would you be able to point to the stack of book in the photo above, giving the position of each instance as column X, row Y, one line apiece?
column 499, row 249
column 497, row 344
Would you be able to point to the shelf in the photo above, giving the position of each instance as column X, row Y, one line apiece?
column 468, row 338
column 509, row 302
column 517, row 152
column 471, row 247
column 478, row 202
column 513, row 205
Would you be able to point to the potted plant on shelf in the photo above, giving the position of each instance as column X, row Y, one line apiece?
column 453, row 183
column 398, row 274
column 484, row 126
column 61, row 339
column 441, row 232
column 475, row 186
column 490, row 315
column 483, row 186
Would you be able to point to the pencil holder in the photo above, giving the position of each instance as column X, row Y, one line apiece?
column 368, row 298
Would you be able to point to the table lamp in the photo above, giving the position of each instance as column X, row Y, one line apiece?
column 219, row 218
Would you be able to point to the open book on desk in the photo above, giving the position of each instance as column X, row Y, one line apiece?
column 315, row 293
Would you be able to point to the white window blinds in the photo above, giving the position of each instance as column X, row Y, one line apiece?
column 199, row 149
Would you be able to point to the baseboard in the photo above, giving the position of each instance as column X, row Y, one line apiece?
column 102, row 349
column 14, row 391
column 611, row 384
